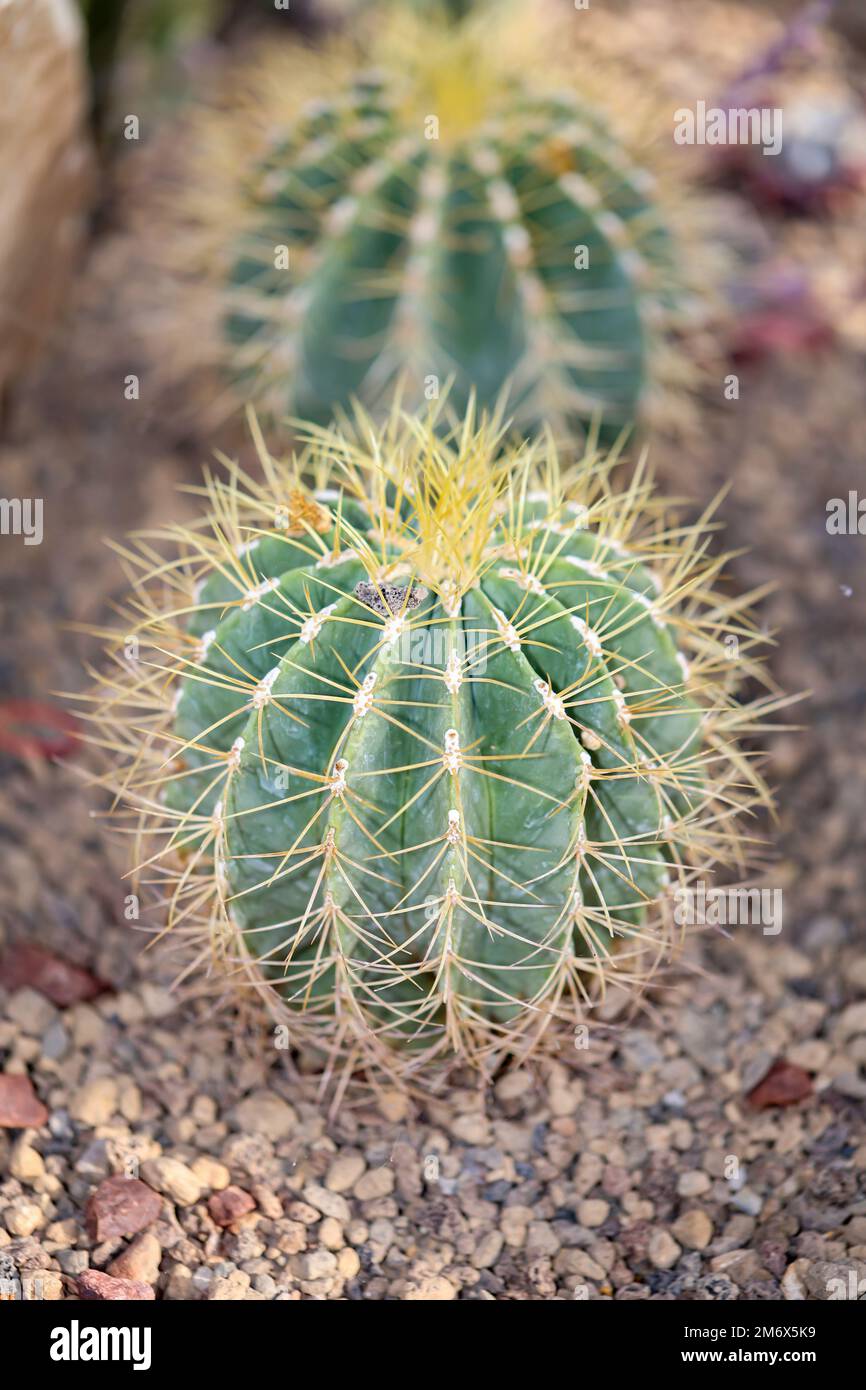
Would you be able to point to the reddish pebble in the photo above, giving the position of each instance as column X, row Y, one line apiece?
column 230, row 1205
column 62, row 983
column 20, row 1107
column 784, row 1084
column 120, row 1207
column 93, row 1284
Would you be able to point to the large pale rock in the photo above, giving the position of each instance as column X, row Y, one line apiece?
column 45, row 171
column 103, row 1288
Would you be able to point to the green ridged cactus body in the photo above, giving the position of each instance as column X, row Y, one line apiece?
column 446, row 216
column 435, row 747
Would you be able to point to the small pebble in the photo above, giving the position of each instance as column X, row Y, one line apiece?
column 229, row 1205
column 26, row 1163
column 693, row 1229
column 173, row 1178
column 344, row 1172
column 592, row 1212
column 265, row 1113
column 20, row 1107
column 139, row 1261
column 93, row 1284
column 663, row 1250
column 121, row 1207
column 95, row 1103
column 378, row 1182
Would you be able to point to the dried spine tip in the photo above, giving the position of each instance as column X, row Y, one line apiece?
column 301, row 513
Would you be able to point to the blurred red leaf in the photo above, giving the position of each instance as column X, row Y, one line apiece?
column 784, row 1084
column 36, row 729
column 62, row 983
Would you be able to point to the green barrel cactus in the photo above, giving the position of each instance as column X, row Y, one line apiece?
column 461, row 211
column 422, row 729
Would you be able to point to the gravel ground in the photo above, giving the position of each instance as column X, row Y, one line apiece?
column 710, row 1146
column 176, row 1150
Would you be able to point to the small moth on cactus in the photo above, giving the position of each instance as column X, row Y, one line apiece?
column 421, row 728
column 462, row 210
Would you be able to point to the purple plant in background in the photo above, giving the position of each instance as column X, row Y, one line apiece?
column 821, row 158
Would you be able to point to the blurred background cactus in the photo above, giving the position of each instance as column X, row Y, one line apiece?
column 430, row 209
column 45, row 173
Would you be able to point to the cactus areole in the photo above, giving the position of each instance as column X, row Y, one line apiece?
column 420, row 729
